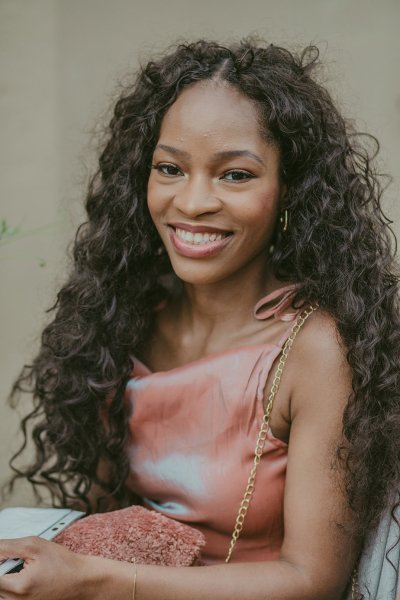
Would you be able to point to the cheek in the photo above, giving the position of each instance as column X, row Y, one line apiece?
column 263, row 209
column 154, row 199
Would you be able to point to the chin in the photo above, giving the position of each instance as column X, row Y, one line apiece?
column 209, row 276
column 198, row 274
column 200, row 279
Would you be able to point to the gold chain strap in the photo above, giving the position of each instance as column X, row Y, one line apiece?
column 250, row 487
column 245, row 503
column 354, row 585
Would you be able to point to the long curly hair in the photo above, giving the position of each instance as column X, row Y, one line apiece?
column 340, row 247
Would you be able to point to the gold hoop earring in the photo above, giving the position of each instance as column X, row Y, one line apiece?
column 284, row 220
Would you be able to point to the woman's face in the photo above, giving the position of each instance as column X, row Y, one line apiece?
column 214, row 190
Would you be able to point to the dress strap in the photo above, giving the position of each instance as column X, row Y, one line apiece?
column 276, row 303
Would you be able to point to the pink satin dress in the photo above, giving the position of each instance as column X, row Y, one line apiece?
column 194, row 430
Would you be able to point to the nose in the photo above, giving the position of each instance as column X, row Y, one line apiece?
column 196, row 196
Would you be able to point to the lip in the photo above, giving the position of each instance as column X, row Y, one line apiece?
column 198, row 228
column 199, row 250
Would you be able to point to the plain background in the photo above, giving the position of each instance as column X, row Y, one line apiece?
column 61, row 61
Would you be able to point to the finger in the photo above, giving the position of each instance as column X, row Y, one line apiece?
column 20, row 548
column 13, row 584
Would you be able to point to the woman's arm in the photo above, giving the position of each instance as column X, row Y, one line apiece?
column 53, row 572
column 317, row 556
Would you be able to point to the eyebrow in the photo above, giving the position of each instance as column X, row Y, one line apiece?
column 226, row 154
column 173, row 150
column 223, row 155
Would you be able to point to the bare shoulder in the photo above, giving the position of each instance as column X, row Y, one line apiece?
column 320, row 373
column 319, row 346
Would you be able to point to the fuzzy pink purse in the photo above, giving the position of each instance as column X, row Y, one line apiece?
column 135, row 534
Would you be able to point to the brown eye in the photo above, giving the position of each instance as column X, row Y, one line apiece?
column 236, row 175
column 167, row 169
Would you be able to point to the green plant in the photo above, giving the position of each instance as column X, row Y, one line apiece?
column 6, row 231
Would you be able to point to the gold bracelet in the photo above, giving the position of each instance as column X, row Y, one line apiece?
column 134, row 580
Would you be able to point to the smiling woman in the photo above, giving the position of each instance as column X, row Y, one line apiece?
column 196, row 190
column 233, row 211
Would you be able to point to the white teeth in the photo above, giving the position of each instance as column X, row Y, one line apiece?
column 188, row 236
column 198, row 238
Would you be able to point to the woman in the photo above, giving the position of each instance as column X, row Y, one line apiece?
column 231, row 197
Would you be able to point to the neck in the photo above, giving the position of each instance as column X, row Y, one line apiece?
column 227, row 303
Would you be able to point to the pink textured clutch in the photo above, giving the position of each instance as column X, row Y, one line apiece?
column 135, row 534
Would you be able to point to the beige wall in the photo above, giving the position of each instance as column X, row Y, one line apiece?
column 60, row 62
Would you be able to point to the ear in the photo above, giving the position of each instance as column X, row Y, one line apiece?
column 282, row 196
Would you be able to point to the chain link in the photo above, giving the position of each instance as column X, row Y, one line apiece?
column 250, row 487
column 354, row 585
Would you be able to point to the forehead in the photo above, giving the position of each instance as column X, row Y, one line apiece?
column 212, row 110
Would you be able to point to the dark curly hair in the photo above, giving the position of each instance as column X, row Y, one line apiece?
column 340, row 248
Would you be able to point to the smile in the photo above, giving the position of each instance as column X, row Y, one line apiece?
column 198, row 238
column 198, row 244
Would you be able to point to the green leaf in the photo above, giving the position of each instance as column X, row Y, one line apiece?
column 6, row 231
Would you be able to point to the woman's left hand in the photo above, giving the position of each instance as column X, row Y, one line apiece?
column 50, row 571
